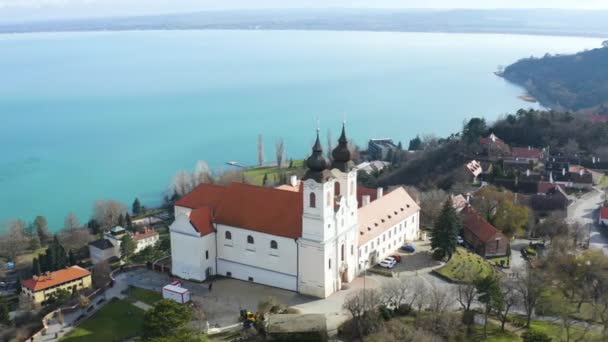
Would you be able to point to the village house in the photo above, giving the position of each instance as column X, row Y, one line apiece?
column 373, row 166
column 527, row 154
column 146, row 238
column 309, row 236
column 102, row 249
column 493, row 147
column 40, row 288
column 483, row 237
column 379, row 148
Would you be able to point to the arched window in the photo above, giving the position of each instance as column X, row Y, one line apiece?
column 342, row 253
column 352, row 250
column 274, row 244
column 330, row 264
column 312, row 200
column 249, row 239
column 228, row 235
column 336, row 188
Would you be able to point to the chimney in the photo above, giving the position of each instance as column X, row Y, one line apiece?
column 529, row 147
column 593, row 160
column 365, row 199
column 293, row 180
column 527, row 173
column 563, row 171
column 379, row 193
column 581, row 172
column 468, row 197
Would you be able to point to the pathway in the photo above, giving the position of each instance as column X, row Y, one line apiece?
column 584, row 211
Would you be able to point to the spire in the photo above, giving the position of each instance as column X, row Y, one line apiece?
column 316, row 163
column 341, row 154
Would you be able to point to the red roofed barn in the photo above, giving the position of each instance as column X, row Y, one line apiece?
column 483, row 237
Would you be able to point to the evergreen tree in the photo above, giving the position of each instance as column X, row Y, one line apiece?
column 415, row 144
column 127, row 246
column 94, row 226
column 444, row 235
column 121, row 220
column 71, row 258
column 36, row 267
column 42, row 263
column 4, row 312
column 136, row 207
column 128, row 222
column 265, row 179
column 400, row 146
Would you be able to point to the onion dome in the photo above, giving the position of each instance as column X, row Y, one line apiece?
column 341, row 154
column 317, row 163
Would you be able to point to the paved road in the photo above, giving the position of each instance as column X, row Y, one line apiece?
column 585, row 211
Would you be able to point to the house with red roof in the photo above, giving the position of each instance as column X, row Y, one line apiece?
column 603, row 220
column 485, row 239
column 41, row 288
column 527, row 154
column 494, row 147
column 311, row 235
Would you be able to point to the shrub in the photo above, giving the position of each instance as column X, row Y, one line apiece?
column 535, row 336
column 438, row 254
column 403, row 310
column 385, row 313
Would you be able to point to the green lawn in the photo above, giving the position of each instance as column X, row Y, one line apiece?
column 466, row 267
column 554, row 329
column 494, row 334
column 604, row 182
column 255, row 175
column 144, row 295
column 116, row 321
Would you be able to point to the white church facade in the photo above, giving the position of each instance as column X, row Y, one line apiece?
column 309, row 236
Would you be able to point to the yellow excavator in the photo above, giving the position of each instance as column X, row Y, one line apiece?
column 248, row 318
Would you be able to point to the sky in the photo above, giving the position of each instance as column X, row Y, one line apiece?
column 23, row 10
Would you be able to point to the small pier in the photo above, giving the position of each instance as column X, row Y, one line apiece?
column 237, row 164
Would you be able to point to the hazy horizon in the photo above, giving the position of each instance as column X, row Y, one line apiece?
column 27, row 10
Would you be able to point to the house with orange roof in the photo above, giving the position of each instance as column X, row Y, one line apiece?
column 40, row 288
column 310, row 236
column 485, row 239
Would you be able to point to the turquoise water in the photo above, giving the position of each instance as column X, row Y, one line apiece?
column 86, row 116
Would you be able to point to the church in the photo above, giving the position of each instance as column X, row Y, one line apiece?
column 311, row 235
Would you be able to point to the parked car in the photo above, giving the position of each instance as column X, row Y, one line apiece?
column 397, row 257
column 388, row 263
column 408, row 248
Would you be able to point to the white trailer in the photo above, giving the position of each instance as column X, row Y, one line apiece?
column 177, row 293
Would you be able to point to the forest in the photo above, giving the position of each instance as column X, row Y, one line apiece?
column 565, row 82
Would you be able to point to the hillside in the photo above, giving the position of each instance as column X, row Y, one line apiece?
column 570, row 82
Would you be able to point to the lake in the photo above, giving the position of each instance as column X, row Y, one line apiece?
column 86, row 116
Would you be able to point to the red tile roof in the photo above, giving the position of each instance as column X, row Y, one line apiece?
column 599, row 118
column 526, row 152
column 544, row 187
column 55, row 278
column 202, row 220
column 266, row 210
column 203, row 195
column 477, row 225
column 363, row 191
column 489, row 140
column 148, row 232
column 604, row 213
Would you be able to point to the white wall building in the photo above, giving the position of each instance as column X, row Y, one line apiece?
column 146, row 238
column 310, row 236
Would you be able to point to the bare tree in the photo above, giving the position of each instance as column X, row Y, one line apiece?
column 396, row 292
column 75, row 239
column 359, row 304
column 106, row 212
column 510, row 298
column 71, row 222
column 14, row 242
column 430, row 203
column 465, row 295
column 280, row 152
column 439, row 302
column 101, row 274
column 260, row 150
column 529, row 286
column 181, row 184
column 202, row 174
column 421, row 299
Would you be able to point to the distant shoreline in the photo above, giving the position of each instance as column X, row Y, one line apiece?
column 151, row 29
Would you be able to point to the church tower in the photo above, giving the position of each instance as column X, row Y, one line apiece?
column 327, row 250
